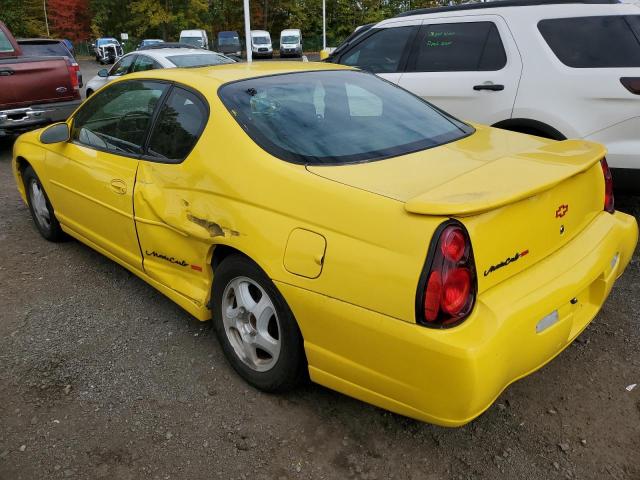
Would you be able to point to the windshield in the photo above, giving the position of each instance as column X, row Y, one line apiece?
column 336, row 117
column 289, row 39
column 198, row 60
column 197, row 41
column 105, row 41
column 151, row 42
column 261, row 40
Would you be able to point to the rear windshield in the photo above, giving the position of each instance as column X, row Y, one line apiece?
column 594, row 42
column 198, row 60
column 336, row 117
column 44, row 50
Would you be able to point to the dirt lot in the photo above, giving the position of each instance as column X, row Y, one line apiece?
column 102, row 377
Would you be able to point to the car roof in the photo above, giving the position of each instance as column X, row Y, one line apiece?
column 259, row 32
column 158, row 53
column 217, row 75
column 502, row 4
column 41, row 41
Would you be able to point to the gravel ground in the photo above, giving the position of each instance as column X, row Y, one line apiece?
column 103, row 377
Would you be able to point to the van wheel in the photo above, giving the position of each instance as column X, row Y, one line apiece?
column 256, row 329
column 89, row 93
column 41, row 210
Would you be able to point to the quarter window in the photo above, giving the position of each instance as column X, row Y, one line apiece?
column 5, row 44
column 459, row 47
column 594, row 42
column 144, row 63
column 179, row 125
column 381, row 52
column 117, row 119
column 122, row 67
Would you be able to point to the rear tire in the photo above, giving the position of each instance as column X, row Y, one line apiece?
column 255, row 327
column 40, row 207
column 89, row 93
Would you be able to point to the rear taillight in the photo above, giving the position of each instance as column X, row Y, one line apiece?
column 608, row 187
column 73, row 69
column 447, row 290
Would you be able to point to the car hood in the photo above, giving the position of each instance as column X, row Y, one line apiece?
column 488, row 169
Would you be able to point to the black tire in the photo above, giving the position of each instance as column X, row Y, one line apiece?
column 49, row 230
column 89, row 93
column 290, row 368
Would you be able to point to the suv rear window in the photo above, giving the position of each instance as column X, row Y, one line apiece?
column 336, row 117
column 44, row 49
column 594, row 42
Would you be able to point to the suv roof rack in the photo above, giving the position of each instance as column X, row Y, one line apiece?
column 502, row 3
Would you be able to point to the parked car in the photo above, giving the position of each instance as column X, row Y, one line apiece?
column 261, row 44
column 46, row 47
column 225, row 188
column 149, row 41
column 229, row 43
column 107, row 50
column 291, row 43
column 557, row 69
column 196, row 38
column 36, row 90
column 155, row 58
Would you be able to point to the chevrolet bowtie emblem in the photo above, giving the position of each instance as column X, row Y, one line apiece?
column 562, row 211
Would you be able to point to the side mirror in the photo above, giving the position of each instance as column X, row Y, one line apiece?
column 104, row 73
column 56, row 133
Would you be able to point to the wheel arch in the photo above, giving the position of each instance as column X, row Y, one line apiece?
column 530, row 127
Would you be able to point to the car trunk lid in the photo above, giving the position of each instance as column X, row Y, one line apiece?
column 518, row 207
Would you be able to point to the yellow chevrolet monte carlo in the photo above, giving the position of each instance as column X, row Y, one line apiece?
column 332, row 223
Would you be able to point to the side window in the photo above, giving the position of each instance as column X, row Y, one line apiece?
column 117, row 119
column 5, row 44
column 594, row 42
column 380, row 52
column 144, row 63
column 179, row 125
column 122, row 66
column 459, row 47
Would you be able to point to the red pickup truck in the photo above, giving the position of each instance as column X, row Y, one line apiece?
column 34, row 91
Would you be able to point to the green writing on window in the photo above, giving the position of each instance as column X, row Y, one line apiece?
column 439, row 43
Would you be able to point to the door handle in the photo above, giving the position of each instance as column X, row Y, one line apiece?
column 5, row 72
column 489, row 86
column 118, row 186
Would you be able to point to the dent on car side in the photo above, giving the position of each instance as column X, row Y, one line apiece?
column 348, row 261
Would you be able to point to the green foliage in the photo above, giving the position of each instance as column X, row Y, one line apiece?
column 166, row 18
column 25, row 18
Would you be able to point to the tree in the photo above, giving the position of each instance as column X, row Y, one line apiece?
column 69, row 19
column 25, row 18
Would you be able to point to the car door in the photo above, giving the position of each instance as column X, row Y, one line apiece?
column 383, row 51
column 468, row 66
column 92, row 176
column 170, row 213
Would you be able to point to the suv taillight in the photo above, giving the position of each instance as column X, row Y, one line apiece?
column 448, row 286
column 73, row 69
column 608, row 187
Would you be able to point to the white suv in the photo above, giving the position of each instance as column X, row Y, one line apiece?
column 553, row 68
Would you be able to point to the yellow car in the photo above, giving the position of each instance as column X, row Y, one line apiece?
column 335, row 225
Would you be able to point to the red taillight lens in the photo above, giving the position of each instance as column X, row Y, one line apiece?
column 73, row 69
column 608, row 187
column 448, row 293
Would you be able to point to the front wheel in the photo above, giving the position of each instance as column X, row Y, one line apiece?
column 41, row 210
column 255, row 327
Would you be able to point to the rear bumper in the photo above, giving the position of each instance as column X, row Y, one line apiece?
column 20, row 120
column 449, row 377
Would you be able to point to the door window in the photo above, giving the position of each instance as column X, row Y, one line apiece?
column 5, row 44
column 459, row 47
column 594, row 42
column 117, row 118
column 180, row 123
column 122, row 66
column 144, row 63
column 381, row 52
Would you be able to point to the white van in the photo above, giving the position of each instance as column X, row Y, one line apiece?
column 261, row 44
column 291, row 43
column 197, row 38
